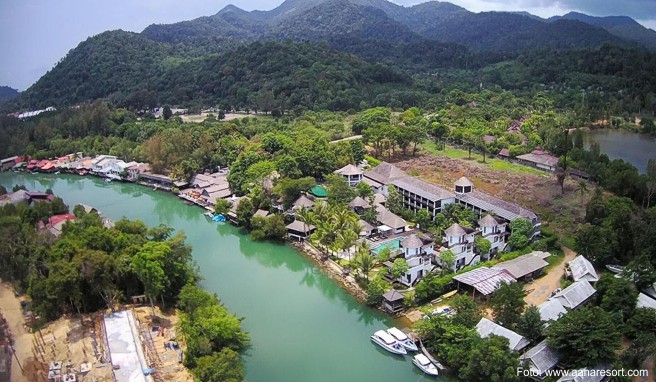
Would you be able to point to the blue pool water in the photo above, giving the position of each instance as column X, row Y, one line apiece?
column 393, row 245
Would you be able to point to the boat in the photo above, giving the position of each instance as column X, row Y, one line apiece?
column 423, row 363
column 430, row 358
column 615, row 268
column 403, row 339
column 387, row 342
column 108, row 180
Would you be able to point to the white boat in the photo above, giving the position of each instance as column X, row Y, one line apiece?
column 422, row 362
column 108, row 180
column 402, row 338
column 387, row 342
column 615, row 268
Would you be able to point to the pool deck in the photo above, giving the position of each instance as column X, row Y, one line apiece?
column 382, row 241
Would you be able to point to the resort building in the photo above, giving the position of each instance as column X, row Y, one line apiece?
column 381, row 176
column 206, row 189
column 539, row 360
column 298, row 230
column 495, row 231
column 483, row 280
column 582, row 269
column 486, row 328
column 575, row 295
column 420, row 195
column 352, row 174
column 302, row 202
column 551, row 310
column 418, row 253
column 539, row 159
column 389, row 222
column 7, row 163
column 393, row 301
column 358, row 205
column 460, row 240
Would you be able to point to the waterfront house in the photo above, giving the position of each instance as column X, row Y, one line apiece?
column 582, row 269
column 7, row 163
column 393, row 301
column 483, row 280
column 525, row 267
column 100, row 163
column 460, row 240
column 539, row 159
column 351, row 174
column 551, row 310
column 420, row 195
column 539, row 360
column 575, row 295
column 162, row 181
column 495, row 231
column 300, row 231
column 486, row 328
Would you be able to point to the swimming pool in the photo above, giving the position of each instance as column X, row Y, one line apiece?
column 393, row 245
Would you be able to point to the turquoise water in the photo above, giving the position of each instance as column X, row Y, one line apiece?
column 303, row 326
column 319, row 191
column 393, row 245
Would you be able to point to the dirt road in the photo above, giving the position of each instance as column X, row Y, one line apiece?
column 11, row 310
column 543, row 286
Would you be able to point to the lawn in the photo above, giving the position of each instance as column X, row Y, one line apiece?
column 491, row 161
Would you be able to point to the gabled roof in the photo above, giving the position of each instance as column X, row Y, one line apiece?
column 580, row 375
column 575, row 294
column 261, row 213
column 303, row 201
column 551, row 310
column 485, row 280
column 486, row 328
column 365, row 226
column 539, row 157
column 385, row 173
column 299, row 226
column 523, row 265
column 488, row 221
column 541, row 358
column 464, row 182
column 349, row 169
column 359, row 202
column 386, row 217
column 582, row 269
column 422, row 188
column 500, row 207
column 645, row 301
column 457, row 230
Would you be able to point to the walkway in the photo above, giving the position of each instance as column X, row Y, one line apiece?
column 543, row 286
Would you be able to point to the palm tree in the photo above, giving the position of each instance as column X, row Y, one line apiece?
column 346, row 239
column 304, row 215
column 365, row 262
column 583, row 189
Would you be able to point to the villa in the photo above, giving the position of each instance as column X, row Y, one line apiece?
column 460, row 240
column 495, row 231
column 418, row 253
column 352, row 174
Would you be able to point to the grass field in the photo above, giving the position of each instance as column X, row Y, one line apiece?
column 492, row 162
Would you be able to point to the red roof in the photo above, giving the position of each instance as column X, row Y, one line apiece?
column 60, row 218
column 42, row 163
column 47, row 166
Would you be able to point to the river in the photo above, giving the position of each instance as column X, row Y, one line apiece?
column 303, row 326
column 634, row 148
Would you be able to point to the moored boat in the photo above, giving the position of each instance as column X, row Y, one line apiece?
column 615, row 268
column 423, row 363
column 402, row 338
column 387, row 342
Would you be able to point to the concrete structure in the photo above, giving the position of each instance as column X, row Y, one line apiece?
column 390, row 223
column 418, row 253
column 393, row 301
column 486, row 328
column 125, row 347
column 495, row 231
column 420, row 195
column 460, row 240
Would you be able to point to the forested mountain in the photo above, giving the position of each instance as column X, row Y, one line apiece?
column 437, row 21
column 621, row 26
column 7, row 93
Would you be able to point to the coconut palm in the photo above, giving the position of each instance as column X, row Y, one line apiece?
column 305, row 215
column 365, row 262
column 346, row 239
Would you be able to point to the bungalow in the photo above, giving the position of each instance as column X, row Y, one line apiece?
column 358, row 205
column 232, row 214
column 393, row 301
column 484, row 280
column 382, row 175
column 7, row 163
column 56, row 223
column 31, row 165
column 161, row 180
column 302, row 202
column 495, row 231
column 539, row 159
column 525, row 266
column 486, row 328
column 582, row 269
column 390, row 223
column 418, row 253
column 460, row 240
column 539, row 360
column 366, row 229
column 575, row 295
column 352, row 174
column 299, row 230
column 551, row 310
column 420, row 195
column 504, row 154
column 261, row 213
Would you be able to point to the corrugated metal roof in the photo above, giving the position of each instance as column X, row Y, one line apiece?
column 523, row 265
column 551, row 310
column 485, row 280
column 582, row 269
column 645, row 301
column 541, row 357
column 486, row 328
column 500, row 207
column 575, row 294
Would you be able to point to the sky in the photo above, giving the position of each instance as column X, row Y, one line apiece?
column 36, row 34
